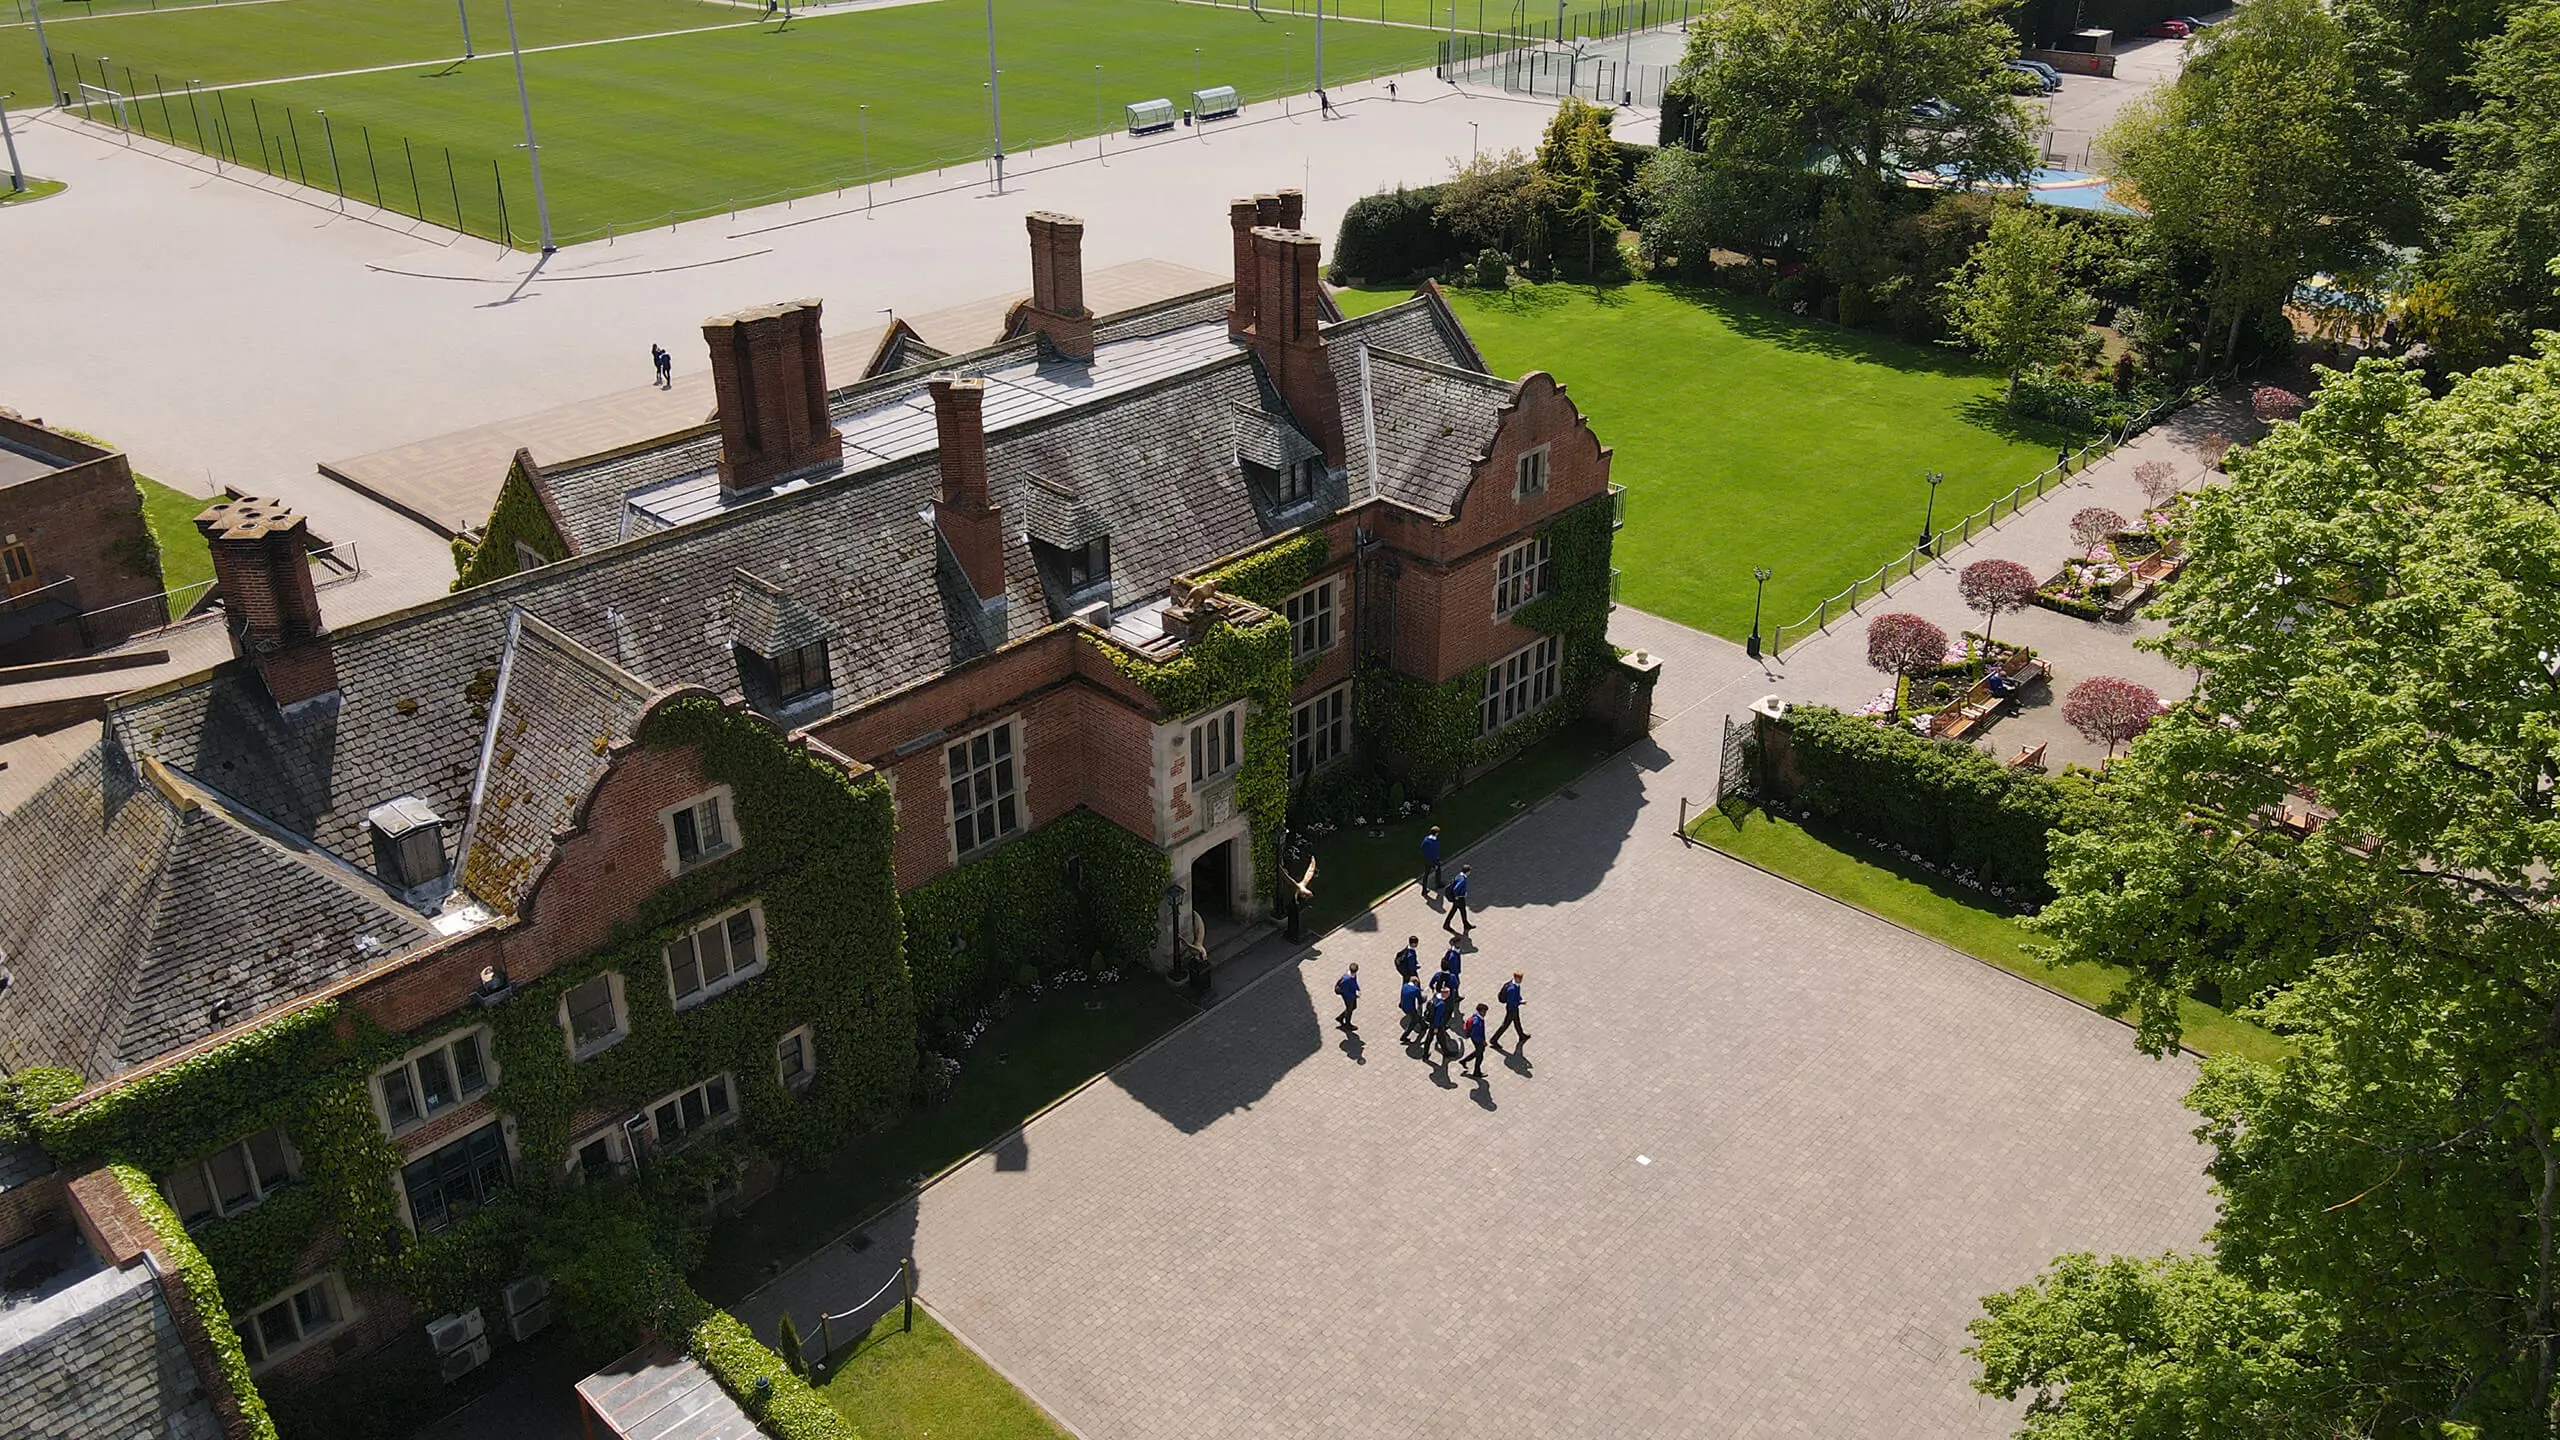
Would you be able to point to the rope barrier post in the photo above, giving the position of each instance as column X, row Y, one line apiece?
column 826, row 1337
column 907, row 1279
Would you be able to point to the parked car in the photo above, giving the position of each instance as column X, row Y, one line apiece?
column 2169, row 30
column 2046, row 78
column 2193, row 23
column 1933, row 110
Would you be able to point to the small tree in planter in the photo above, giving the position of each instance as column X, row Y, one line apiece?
column 2110, row 710
column 2274, row 404
column 2094, row 526
column 2212, row 446
column 1996, row 587
column 2158, row 479
column 1905, row 646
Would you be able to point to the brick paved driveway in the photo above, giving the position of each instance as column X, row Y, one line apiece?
column 1261, row 1228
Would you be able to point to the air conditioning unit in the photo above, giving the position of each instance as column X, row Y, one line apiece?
column 528, row 1306
column 472, row 1355
column 451, row 1333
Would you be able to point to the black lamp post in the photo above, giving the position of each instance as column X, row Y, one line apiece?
column 1760, row 577
column 1928, row 522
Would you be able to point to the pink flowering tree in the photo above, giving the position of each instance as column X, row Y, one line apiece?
column 1903, row 645
column 2212, row 446
column 1996, row 587
column 2108, row 710
column 2158, row 479
column 2274, row 404
column 2095, row 526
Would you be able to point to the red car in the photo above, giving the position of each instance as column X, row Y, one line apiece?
column 2169, row 30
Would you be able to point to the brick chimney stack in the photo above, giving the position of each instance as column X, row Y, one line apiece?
column 1288, row 299
column 972, row 524
column 1242, row 217
column 1057, row 284
column 262, row 567
column 769, row 372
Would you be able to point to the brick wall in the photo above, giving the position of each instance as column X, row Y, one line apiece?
column 31, row 1207
column 83, row 523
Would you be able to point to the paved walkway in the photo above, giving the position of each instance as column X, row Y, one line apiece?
column 450, row 482
column 1750, row 1178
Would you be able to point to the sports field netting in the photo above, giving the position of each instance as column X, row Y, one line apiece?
column 653, row 111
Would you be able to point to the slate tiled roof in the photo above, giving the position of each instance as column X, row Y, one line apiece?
column 1055, row 514
column 101, row 1357
column 1419, row 328
column 127, row 919
column 769, row 619
column 558, row 710
column 1425, row 426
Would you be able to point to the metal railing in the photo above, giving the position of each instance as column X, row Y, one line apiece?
column 1907, row 565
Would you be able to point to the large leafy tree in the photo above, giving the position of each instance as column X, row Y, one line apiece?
column 1780, row 88
column 2373, row 607
column 2504, row 242
column 2012, row 300
column 2264, row 161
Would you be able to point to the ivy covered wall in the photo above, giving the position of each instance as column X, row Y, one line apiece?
column 1236, row 662
column 519, row 515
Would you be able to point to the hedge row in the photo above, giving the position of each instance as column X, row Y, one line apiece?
column 1940, row 799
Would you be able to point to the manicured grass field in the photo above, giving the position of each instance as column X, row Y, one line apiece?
column 1884, row 885
column 735, row 110
column 920, row 1383
column 184, row 559
column 1746, row 436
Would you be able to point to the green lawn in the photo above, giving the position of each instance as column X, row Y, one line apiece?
column 37, row 189
column 1884, row 885
column 686, row 123
column 184, row 559
column 1026, row 1060
column 902, row 1385
column 1746, row 436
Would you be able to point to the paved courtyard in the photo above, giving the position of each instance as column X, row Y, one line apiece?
column 1750, row 1178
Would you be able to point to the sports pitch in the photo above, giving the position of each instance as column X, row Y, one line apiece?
column 651, row 110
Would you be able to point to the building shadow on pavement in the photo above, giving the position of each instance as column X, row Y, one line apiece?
column 1562, row 849
column 854, row 1278
column 1232, row 1057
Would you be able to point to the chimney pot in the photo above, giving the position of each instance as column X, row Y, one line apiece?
column 1057, row 283
column 1293, row 210
column 262, row 565
column 1242, row 217
column 769, row 373
column 970, row 522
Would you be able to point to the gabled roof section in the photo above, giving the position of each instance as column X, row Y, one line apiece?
column 767, row 620
column 1054, row 513
column 140, row 917
column 1269, row 440
column 554, row 720
column 1426, row 427
column 900, row 348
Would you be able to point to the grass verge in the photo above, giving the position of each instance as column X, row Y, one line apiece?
column 1891, row 888
column 36, row 190
column 184, row 558
column 924, row 1382
column 1748, row 436
column 1039, row 1051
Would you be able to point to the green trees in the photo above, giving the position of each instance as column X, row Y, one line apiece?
column 2264, row 164
column 2499, row 259
column 2370, row 608
column 2012, row 301
column 1577, row 169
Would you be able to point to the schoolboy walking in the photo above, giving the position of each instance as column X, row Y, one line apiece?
column 1409, row 1000
column 1348, row 987
column 1431, row 862
column 1409, row 959
column 1457, row 896
column 1475, row 1038
column 1449, row 963
column 1509, row 995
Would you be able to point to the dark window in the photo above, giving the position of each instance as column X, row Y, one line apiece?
column 1310, row 614
column 802, row 671
column 1316, row 732
column 983, row 809
column 1298, row 482
column 1518, row 684
column 1213, row 747
column 449, row 1184
column 1088, row 564
column 300, row 1316
column 595, row 1159
column 680, row 1114
column 434, row 1082
column 793, row 1057
column 701, row 831
column 231, row 1179
column 703, row 962
column 593, row 1017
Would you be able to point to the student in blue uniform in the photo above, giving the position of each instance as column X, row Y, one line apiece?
column 1457, row 897
column 1475, row 1039
column 1348, row 987
column 1509, row 995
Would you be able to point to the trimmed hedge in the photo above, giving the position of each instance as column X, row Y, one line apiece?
column 1940, row 799
column 1050, row 899
column 738, row 1360
column 1392, row 236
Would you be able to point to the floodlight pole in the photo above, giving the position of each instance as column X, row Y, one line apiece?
column 17, row 177
column 1320, row 105
column 1099, row 134
column 533, row 150
column 462, row 8
column 995, row 95
column 54, row 94
column 866, row 157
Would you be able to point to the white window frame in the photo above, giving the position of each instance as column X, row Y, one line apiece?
column 1521, row 574
column 686, row 1130
column 1520, row 684
column 1529, row 474
column 1314, row 620
column 808, row 1059
column 722, row 809
column 407, row 1066
column 736, row 974
column 331, row 1292
column 1311, row 731
column 259, row 1188
column 1217, row 744
column 621, row 1018
column 507, row 1178
column 1005, row 769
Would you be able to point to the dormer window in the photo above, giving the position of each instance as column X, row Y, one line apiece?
column 1088, row 565
column 1298, row 482
column 408, row 843
column 781, row 646
column 800, row 671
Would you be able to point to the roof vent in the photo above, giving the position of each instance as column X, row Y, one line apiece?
column 408, row 843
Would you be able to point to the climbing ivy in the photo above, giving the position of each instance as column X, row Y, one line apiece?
column 1077, row 890
column 197, row 1278
column 518, row 515
column 1229, row 662
column 1270, row 575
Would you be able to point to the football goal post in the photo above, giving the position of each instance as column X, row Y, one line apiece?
column 94, row 96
